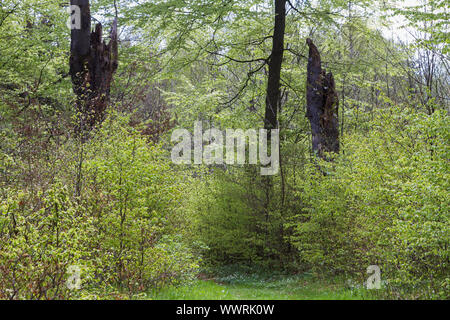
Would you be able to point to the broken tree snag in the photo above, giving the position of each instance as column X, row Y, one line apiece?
column 92, row 65
column 321, row 105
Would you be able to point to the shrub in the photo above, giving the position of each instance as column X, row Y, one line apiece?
column 119, row 225
column 384, row 202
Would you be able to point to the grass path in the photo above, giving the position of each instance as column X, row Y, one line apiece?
column 283, row 288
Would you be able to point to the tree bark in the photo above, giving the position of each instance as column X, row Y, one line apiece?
column 322, row 105
column 273, row 96
column 275, row 62
column 92, row 65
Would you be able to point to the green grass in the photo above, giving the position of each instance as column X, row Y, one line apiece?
column 237, row 287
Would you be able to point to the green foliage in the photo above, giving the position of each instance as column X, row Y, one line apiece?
column 135, row 202
column 125, row 230
column 384, row 202
column 431, row 18
column 38, row 245
column 236, row 221
column 116, row 207
column 224, row 221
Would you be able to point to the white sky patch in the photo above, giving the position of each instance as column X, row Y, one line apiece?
column 397, row 29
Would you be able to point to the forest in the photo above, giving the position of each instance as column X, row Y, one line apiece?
column 224, row 149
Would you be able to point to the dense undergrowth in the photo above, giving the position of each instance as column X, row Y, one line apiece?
column 383, row 202
column 120, row 223
column 135, row 221
column 106, row 214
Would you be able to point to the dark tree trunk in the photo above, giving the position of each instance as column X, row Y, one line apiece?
column 322, row 105
column 273, row 96
column 275, row 62
column 92, row 65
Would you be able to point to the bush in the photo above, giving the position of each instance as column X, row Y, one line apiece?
column 119, row 223
column 39, row 245
column 238, row 219
column 383, row 202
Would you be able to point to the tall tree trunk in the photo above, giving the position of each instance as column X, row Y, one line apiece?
column 273, row 95
column 322, row 105
column 275, row 62
column 92, row 65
